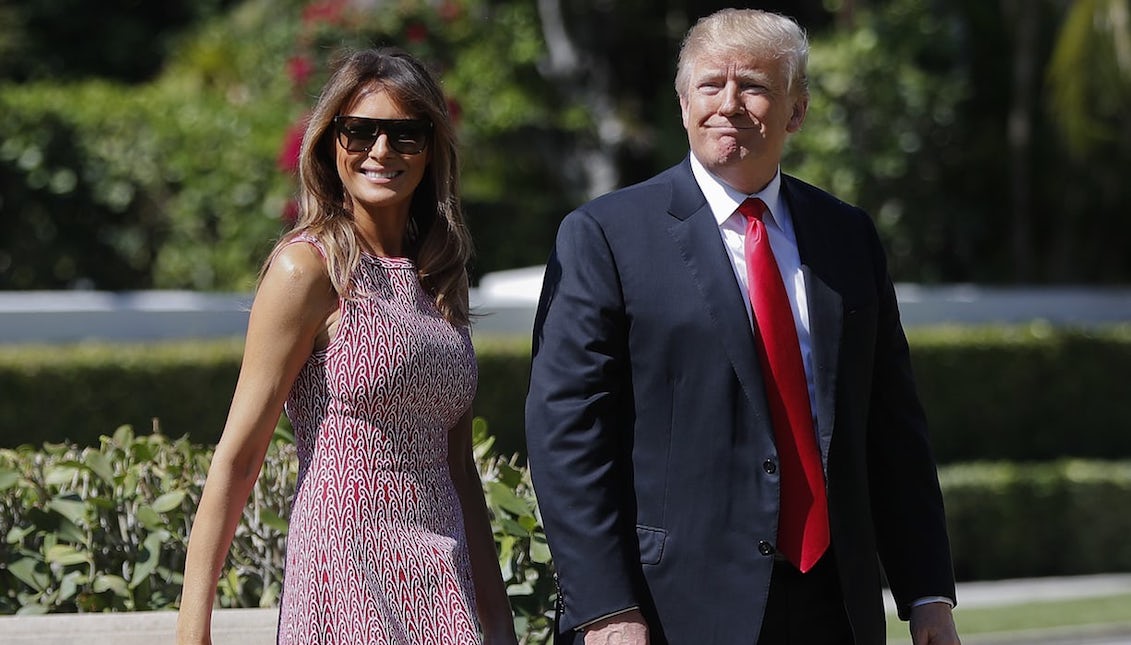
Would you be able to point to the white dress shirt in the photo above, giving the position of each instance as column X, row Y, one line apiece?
column 724, row 202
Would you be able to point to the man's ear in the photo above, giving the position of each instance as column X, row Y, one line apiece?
column 683, row 110
column 800, row 109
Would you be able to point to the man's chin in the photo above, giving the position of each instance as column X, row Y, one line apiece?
column 727, row 156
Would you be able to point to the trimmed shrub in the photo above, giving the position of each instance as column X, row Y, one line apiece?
column 106, row 529
column 1010, row 520
column 98, row 529
column 504, row 377
column 1027, row 393
column 73, row 393
column 164, row 186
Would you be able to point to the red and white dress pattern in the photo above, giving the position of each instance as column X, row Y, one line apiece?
column 377, row 552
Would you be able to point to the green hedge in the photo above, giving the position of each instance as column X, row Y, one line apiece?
column 74, row 393
column 106, row 528
column 96, row 529
column 1028, row 393
column 1067, row 517
column 1025, row 393
column 77, row 393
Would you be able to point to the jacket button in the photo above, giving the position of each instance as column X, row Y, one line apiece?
column 765, row 548
column 769, row 466
column 560, row 600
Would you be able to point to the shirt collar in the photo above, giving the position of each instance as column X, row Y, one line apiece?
column 725, row 200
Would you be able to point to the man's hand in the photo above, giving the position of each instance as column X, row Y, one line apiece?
column 628, row 628
column 932, row 624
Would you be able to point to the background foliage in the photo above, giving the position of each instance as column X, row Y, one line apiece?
column 1029, row 392
column 105, row 527
column 988, row 139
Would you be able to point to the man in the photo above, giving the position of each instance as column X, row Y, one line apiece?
column 724, row 435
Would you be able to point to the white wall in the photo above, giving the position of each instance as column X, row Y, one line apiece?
column 505, row 303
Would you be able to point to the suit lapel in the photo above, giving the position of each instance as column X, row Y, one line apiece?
column 696, row 234
column 818, row 254
column 824, row 336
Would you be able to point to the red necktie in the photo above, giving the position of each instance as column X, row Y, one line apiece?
column 803, row 518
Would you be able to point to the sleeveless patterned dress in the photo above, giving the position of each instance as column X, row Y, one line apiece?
column 376, row 552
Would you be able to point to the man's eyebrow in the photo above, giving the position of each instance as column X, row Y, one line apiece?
column 744, row 76
column 753, row 76
column 709, row 72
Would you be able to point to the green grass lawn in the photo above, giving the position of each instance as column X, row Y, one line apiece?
column 1034, row 615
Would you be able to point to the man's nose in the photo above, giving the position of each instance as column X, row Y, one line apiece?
column 730, row 103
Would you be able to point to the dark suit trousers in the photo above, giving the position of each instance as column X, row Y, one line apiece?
column 805, row 608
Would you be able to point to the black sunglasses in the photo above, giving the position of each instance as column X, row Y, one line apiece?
column 359, row 134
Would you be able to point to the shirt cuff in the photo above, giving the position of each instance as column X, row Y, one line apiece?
column 926, row 600
column 583, row 627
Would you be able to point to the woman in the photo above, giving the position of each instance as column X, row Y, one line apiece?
column 360, row 328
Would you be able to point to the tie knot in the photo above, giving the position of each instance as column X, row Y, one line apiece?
column 753, row 208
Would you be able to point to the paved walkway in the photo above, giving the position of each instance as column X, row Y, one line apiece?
column 257, row 626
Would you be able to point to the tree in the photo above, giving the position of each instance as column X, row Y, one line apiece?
column 123, row 40
column 989, row 140
column 166, row 184
column 1089, row 74
column 1089, row 90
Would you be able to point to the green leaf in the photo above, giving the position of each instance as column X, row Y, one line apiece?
column 520, row 589
column 270, row 595
column 18, row 533
column 142, row 452
column 230, row 584
column 99, row 465
column 149, row 518
column 102, row 503
column 506, row 556
column 168, row 501
column 123, row 435
column 107, row 582
column 70, row 508
column 539, row 551
column 70, row 532
column 30, row 571
column 61, row 474
column 272, row 520
column 69, row 585
column 149, row 557
column 510, row 475
column 129, row 482
column 501, row 496
column 32, row 610
column 66, row 555
column 511, row 527
column 55, row 449
column 8, row 478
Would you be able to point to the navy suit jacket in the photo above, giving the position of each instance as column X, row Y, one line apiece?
column 649, row 434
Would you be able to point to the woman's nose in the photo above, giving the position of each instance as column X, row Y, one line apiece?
column 380, row 148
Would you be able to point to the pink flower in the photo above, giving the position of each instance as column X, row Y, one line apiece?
column 329, row 11
column 416, row 33
column 449, row 10
column 287, row 161
column 299, row 68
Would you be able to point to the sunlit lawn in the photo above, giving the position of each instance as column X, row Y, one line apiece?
column 1035, row 615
